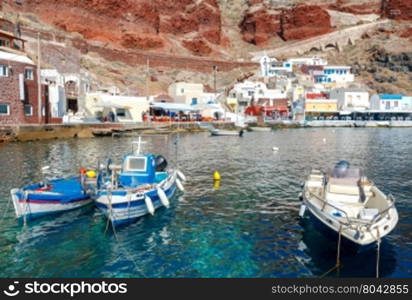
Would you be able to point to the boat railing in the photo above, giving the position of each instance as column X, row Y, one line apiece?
column 325, row 203
column 353, row 221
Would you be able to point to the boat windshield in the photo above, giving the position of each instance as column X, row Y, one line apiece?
column 136, row 164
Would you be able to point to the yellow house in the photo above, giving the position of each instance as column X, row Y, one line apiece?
column 321, row 105
column 232, row 102
column 124, row 109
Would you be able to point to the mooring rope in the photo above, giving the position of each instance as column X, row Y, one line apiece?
column 5, row 211
column 338, row 264
column 378, row 254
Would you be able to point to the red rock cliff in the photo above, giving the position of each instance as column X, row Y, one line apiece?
column 143, row 24
column 299, row 22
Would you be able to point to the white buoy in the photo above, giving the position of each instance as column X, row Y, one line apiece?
column 180, row 185
column 181, row 176
column 324, row 140
column 275, row 149
column 149, row 205
column 302, row 210
column 163, row 197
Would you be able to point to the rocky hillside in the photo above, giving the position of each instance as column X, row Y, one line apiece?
column 114, row 40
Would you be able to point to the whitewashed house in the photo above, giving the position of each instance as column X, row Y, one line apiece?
column 186, row 93
column 338, row 75
column 386, row 102
column 351, row 99
column 57, row 94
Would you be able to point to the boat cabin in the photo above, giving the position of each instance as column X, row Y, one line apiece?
column 137, row 170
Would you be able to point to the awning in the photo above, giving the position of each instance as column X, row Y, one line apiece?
column 107, row 104
column 175, row 107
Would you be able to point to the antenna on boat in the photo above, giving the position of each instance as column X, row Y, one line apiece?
column 137, row 143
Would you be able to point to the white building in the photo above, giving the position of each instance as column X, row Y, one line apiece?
column 386, row 102
column 246, row 91
column 57, row 95
column 351, row 99
column 186, row 93
column 271, row 66
column 309, row 61
column 340, row 75
column 124, row 109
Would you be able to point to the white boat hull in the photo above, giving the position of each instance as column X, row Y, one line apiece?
column 125, row 206
column 33, row 209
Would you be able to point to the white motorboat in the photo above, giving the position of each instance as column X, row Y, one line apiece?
column 261, row 129
column 346, row 202
column 218, row 132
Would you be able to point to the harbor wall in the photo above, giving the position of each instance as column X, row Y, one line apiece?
column 12, row 133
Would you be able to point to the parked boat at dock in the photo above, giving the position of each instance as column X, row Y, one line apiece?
column 344, row 201
column 138, row 186
column 218, row 132
column 52, row 196
column 261, row 129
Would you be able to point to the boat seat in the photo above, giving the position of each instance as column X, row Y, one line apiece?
column 368, row 213
column 314, row 184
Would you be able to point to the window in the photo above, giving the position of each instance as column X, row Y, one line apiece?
column 28, row 110
column 4, row 109
column 396, row 103
column 4, row 43
column 28, row 74
column 4, row 71
column 120, row 112
column 194, row 101
column 182, row 91
column 137, row 164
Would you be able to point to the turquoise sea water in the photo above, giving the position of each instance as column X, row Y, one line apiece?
column 249, row 227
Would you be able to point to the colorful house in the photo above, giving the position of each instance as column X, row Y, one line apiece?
column 321, row 105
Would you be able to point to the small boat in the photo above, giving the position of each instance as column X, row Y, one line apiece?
column 138, row 186
column 218, row 132
column 52, row 196
column 261, row 129
column 343, row 200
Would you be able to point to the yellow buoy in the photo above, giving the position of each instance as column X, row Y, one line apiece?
column 216, row 175
column 216, row 184
column 91, row 174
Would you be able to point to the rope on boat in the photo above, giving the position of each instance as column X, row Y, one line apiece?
column 5, row 211
column 378, row 253
column 338, row 264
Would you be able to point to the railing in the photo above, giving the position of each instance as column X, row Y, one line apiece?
column 352, row 221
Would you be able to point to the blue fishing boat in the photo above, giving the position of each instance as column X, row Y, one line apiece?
column 136, row 187
column 52, row 196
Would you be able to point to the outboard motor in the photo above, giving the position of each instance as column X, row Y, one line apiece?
column 341, row 169
column 160, row 163
column 241, row 133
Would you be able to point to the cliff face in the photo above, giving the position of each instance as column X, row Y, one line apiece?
column 197, row 25
column 397, row 9
column 143, row 24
